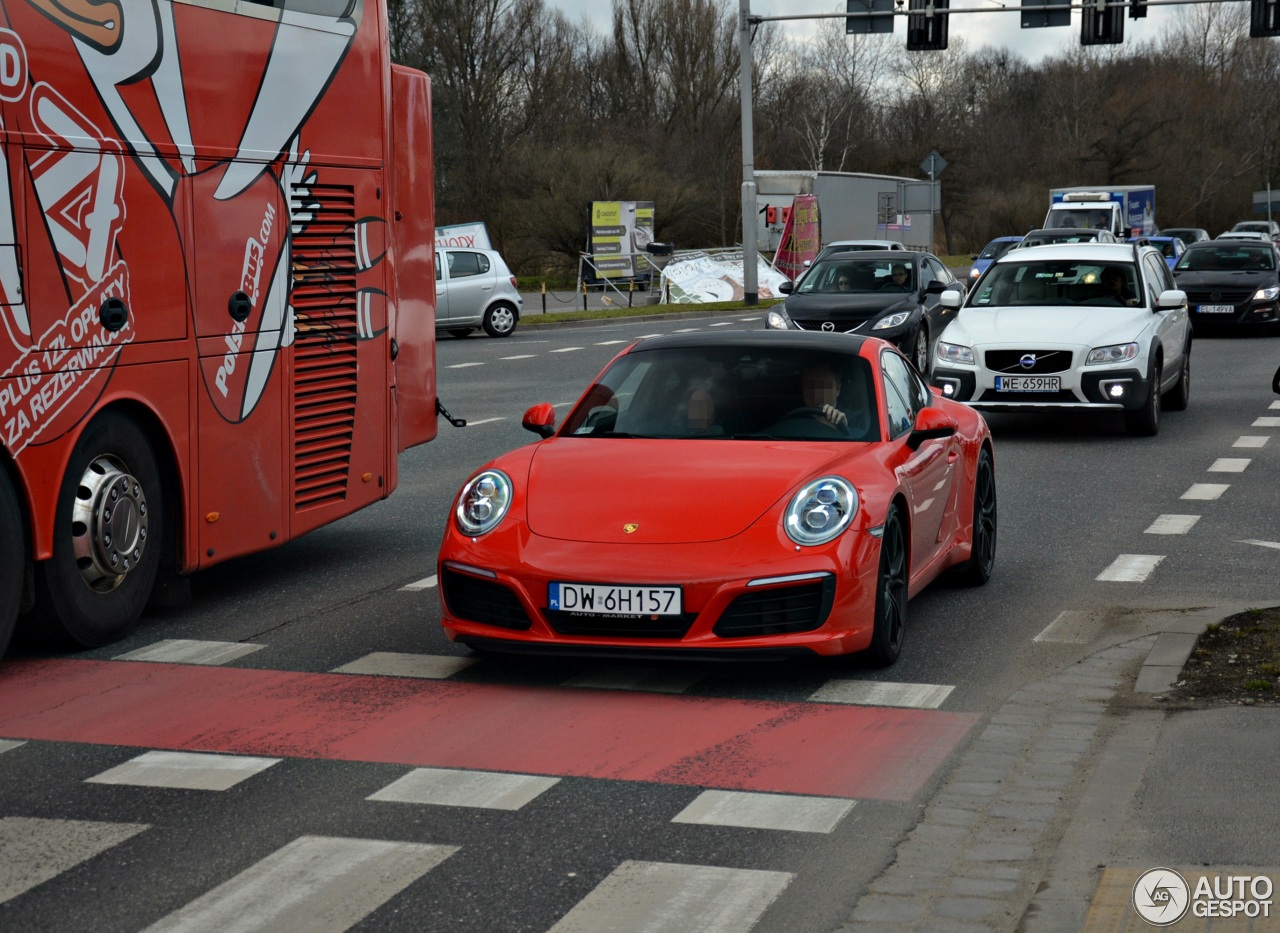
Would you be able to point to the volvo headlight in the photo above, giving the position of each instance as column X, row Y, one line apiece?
column 893, row 320
column 483, row 502
column 777, row 320
column 820, row 511
column 1267, row 294
column 1117, row 353
column 954, row 353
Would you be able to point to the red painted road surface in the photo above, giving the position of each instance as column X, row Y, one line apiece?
column 796, row 748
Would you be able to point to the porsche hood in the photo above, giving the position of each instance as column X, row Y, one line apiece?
column 668, row 492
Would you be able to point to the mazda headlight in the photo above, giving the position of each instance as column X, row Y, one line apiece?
column 1117, row 353
column 893, row 320
column 1267, row 294
column 820, row 511
column 483, row 502
column 954, row 353
column 777, row 320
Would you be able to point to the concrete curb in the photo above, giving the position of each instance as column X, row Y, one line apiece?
column 1163, row 665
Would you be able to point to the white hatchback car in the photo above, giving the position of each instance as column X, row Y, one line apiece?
column 474, row 288
column 1085, row 326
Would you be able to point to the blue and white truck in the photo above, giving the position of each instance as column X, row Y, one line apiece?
column 1125, row 210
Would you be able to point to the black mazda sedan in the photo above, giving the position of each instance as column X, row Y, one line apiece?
column 888, row 294
column 1231, row 282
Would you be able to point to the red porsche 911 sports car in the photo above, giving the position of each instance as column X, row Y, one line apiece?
column 711, row 494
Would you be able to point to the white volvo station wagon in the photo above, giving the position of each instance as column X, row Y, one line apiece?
column 1087, row 326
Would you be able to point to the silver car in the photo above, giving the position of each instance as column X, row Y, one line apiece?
column 474, row 288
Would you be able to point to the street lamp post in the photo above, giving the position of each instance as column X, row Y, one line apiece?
column 750, row 284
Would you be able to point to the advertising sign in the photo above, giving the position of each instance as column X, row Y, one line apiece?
column 471, row 236
column 699, row 277
column 620, row 231
column 800, row 237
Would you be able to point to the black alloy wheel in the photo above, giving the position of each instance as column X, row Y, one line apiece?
column 1180, row 395
column 920, row 351
column 891, row 594
column 1145, row 421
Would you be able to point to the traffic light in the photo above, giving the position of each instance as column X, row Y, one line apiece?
column 880, row 20
column 927, row 25
column 770, row 214
column 1137, row 9
column 1264, row 19
column 1101, row 24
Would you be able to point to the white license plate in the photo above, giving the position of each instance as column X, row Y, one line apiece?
column 1216, row 309
column 616, row 600
column 1028, row 383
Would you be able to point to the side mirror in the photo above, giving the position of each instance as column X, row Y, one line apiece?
column 936, row 288
column 932, row 424
column 951, row 299
column 1171, row 299
column 540, row 419
column 787, row 287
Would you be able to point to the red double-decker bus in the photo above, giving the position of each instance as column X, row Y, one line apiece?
column 216, row 289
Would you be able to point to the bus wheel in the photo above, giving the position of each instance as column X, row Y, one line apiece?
column 12, row 563
column 107, row 536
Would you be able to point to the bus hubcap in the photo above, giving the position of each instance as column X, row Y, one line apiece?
column 108, row 524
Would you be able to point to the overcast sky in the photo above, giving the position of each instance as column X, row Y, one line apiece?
column 977, row 29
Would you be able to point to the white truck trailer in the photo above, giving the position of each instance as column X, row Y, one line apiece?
column 1125, row 210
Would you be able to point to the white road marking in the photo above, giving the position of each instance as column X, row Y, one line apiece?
column 1270, row 544
column 395, row 664
column 765, row 811
column 565, row 350
column 660, row 896
column 609, row 343
column 560, row 404
column 8, row 745
column 463, row 365
column 1229, row 465
column 1206, row 491
column 472, row 424
column 688, row 330
column 1172, row 525
column 871, row 693
column 187, row 651
column 185, row 770
column 1266, row 423
column 1274, row 405
column 425, row 583
column 647, row 336
column 723, row 324
column 446, row 787
column 319, row 884
column 1130, row 568
column 37, row 850
column 636, row 677
column 748, row 319
column 520, row 356
column 1071, row 627
column 1251, row 440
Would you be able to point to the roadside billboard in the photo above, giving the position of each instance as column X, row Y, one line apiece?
column 700, row 276
column 620, row 231
column 471, row 236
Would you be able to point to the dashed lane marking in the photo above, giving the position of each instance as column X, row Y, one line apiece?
column 817, row 749
column 1269, row 422
column 519, row 356
column 393, row 664
column 688, row 330
column 723, row 324
column 765, row 811
column 1229, row 465
column 187, row 651
column 565, row 350
column 647, row 336
column 37, row 850
column 1206, row 491
column 315, row 883
column 663, row 896
column 463, row 365
column 1270, row 544
column 1130, row 568
column 448, row 787
column 871, row 693
column 609, row 343
column 472, row 424
column 1274, row 405
column 425, row 583
column 7, row 745
column 184, row 770
column 1172, row 525
column 1251, row 440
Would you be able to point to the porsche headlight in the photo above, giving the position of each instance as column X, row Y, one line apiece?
column 1267, row 294
column 893, row 320
column 954, row 353
column 777, row 320
column 1118, row 353
column 820, row 511
column 483, row 502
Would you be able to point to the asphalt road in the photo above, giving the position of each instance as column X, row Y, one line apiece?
column 89, row 847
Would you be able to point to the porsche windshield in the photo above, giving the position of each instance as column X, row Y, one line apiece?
column 1057, row 283
column 730, row 393
column 845, row 275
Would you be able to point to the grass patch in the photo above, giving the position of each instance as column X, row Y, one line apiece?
column 1236, row 662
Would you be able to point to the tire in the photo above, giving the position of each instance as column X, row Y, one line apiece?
column 1145, row 422
column 461, row 331
column 11, row 566
column 891, row 594
column 1179, row 396
column 500, row 320
column 920, row 351
column 107, row 536
column 977, row 569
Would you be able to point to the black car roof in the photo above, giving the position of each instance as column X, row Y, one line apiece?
column 756, row 339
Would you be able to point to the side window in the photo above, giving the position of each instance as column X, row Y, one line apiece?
column 462, row 264
column 928, row 273
column 897, row 393
column 439, row 273
column 940, row 272
column 1154, row 276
